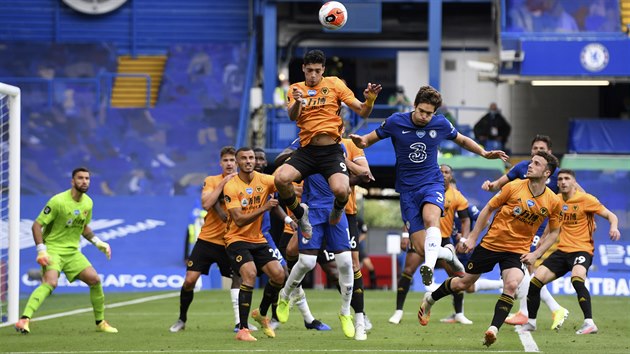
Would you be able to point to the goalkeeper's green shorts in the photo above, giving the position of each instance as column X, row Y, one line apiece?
column 72, row 264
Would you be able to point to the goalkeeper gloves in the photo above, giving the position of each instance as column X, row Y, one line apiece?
column 42, row 255
column 102, row 246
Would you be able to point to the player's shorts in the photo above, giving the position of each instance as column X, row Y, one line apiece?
column 283, row 243
column 71, row 264
column 483, row 260
column 336, row 236
column 560, row 263
column 411, row 204
column 241, row 252
column 353, row 227
column 326, row 160
column 205, row 253
column 276, row 252
column 362, row 251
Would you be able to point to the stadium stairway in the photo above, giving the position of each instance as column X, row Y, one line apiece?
column 624, row 9
column 131, row 92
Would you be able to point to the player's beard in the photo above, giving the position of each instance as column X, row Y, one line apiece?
column 82, row 189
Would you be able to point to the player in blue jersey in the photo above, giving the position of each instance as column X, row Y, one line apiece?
column 416, row 137
column 558, row 313
column 318, row 196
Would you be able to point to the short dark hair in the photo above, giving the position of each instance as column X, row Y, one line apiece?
column 427, row 94
column 315, row 56
column 258, row 149
column 567, row 171
column 552, row 161
column 228, row 150
column 544, row 138
column 244, row 148
column 79, row 169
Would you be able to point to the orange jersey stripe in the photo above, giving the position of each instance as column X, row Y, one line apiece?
column 519, row 216
column 578, row 224
column 454, row 201
column 248, row 197
column 321, row 105
column 213, row 228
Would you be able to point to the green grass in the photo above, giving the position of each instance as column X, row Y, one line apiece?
column 144, row 327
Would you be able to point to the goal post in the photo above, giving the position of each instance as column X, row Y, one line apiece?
column 9, row 202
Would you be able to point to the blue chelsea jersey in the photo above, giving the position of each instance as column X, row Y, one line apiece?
column 416, row 148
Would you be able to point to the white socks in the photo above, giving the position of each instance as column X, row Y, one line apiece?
column 487, row 284
column 432, row 245
column 545, row 296
column 346, row 279
column 305, row 263
column 302, row 305
column 234, row 298
column 521, row 293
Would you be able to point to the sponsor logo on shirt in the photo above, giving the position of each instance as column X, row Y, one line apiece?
column 420, row 133
column 530, row 203
column 311, row 92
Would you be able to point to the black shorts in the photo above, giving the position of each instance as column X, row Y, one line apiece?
column 353, row 227
column 560, row 263
column 312, row 159
column 205, row 253
column 283, row 243
column 242, row 252
column 483, row 261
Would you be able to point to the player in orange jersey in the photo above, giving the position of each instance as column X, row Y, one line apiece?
column 575, row 249
column 314, row 104
column 521, row 207
column 210, row 246
column 247, row 197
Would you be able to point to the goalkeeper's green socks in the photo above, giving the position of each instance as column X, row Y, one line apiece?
column 37, row 298
column 98, row 301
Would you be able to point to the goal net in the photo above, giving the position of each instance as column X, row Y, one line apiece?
column 9, row 202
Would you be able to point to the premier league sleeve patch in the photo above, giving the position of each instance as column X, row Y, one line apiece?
column 47, row 210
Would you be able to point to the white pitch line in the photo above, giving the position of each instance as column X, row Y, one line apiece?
column 527, row 340
column 110, row 306
column 275, row 350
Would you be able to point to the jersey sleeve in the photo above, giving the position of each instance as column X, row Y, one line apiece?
column 452, row 132
column 49, row 213
column 208, row 185
column 345, row 94
column 555, row 215
column 230, row 195
column 501, row 197
column 592, row 204
column 354, row 152
column 269, row 181
column 515, row 171
column 385, row 130
column 462, row 202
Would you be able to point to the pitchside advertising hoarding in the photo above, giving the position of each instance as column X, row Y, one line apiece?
column 148, row 239
column 147, row 236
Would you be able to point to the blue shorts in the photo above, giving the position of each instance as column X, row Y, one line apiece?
column 337, row 237
column 276, row 252
column 411, row 204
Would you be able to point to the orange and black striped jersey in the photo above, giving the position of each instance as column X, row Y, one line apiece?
column 578, row 223
column 519, row 216
column 248, row 197
column 213, row 228
column 354, row 154
column 454, row 201
column 321, row 105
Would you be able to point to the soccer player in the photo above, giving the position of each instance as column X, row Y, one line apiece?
column 416, row 137
column 519, row 171
column 454, row 201
column 210, row 246
column 314, row 104
column 521, row 207
column 57, row 232
column 247, row 197
column 575, row 249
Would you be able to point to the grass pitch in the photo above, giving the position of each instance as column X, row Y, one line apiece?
column 143, row 327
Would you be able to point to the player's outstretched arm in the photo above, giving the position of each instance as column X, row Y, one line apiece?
column 364, row 141
column 496, row 184
column 470, row 145
column 612, row 219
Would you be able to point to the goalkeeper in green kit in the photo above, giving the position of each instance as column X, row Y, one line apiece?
column 57, row 232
